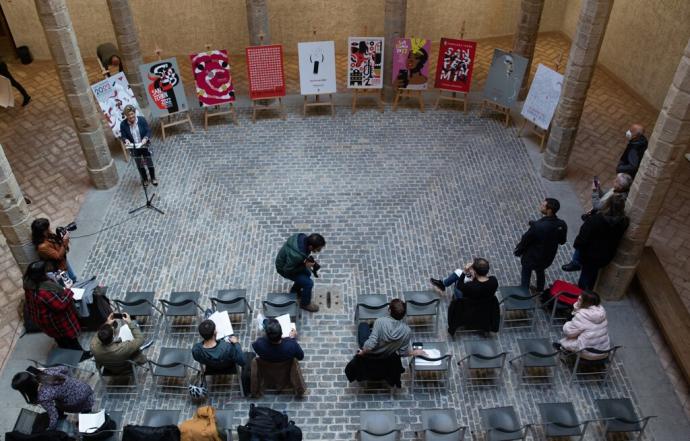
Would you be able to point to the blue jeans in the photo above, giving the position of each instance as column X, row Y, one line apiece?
column 576, row 256
column 526, row 275
column 363, row 333
column 303, row 284
column 451, row 280
column 588, row 277
column 70, row 272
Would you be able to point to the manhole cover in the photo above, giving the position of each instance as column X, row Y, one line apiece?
column 329, row 298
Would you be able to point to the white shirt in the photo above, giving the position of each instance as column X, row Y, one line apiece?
column 134, row 129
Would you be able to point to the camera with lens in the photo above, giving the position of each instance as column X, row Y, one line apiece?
column 61, row 231
column 316, row 266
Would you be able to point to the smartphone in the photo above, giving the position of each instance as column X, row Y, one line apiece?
column 596, row 181
column 117, row 315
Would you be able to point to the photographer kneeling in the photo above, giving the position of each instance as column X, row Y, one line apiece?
column 136, row 136
column 53, row 247
column 295, row 262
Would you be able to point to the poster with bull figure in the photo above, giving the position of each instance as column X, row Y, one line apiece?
column 164, row 88
column 455, row 64
column 365, row 63
column 212, row 78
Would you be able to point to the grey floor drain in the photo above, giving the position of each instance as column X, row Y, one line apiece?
column 329, row 299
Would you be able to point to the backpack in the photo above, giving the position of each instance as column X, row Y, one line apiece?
column 104, row 432
column 99, row 310
column 266, row 424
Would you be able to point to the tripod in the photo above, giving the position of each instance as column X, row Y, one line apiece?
column 143, row 162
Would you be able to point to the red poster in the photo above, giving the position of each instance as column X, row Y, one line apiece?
column 455, row 63
column 265, row 71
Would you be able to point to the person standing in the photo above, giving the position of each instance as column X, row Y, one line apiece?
column 632, row 155
column 136, row 136
column 537, row 247
column 294, row 262
column 51, row 247
column 5, row 72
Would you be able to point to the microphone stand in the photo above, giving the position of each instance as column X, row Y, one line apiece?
column 141, row 162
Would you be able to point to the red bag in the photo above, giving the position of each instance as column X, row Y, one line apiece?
column 561, row 286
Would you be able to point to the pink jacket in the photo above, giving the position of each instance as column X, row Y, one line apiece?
column 587, row 329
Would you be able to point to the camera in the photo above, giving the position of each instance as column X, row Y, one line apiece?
column 316, row 266
column 61, row 231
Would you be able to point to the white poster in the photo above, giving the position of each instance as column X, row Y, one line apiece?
column 543, row 97
column 316, row 67
column 113, row 95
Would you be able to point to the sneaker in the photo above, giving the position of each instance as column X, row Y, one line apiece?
column 310, row 307
column 154, row 182
column 557, row 346
column 438, row 284
column 146, row 182
column 570, row 267
column 85, row 356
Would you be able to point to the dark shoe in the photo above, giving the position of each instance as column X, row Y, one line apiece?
column 438, row 284
column 146, row 182
column 154, row 182
column 557, row 346
column 85, row 355
column 26, row 100
column 310, row 307
column 570, row 267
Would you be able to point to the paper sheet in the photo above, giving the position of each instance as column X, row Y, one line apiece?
column 286, row 325
column 430, row 353
column 90, row 422
column 223, row 325
column 125, row 333
column 78, row 293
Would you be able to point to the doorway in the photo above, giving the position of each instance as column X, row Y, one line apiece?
column 8, row 50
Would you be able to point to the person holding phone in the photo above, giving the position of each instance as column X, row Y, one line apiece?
column 108, row 348
column 136, row 136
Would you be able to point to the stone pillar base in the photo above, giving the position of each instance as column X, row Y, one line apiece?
column 614, row 281
column 552, row 173
column 104, row 178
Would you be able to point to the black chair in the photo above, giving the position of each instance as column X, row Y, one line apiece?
column 559, row 420
column 277, row 304
column 502, row 424
column 441, row 425
column 585, row 370
column 182, row 305
column 26, row 422
column 431, row 370
column 559, row 311
column 232, row 371
column 234, row 301
column 113, row 374
column 139, row 305
column 370, row 307
column 422, row 304
column 69, row 358
column 538, row 361
column 160, row 417
column 378, row 425
column 172, row 364
column 519, row 307
column 620, row 417
column 117, row 417
column 224, row 419
column 483, row 363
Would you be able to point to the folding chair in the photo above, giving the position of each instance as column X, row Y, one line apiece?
column 234, row 301
column 139, row 304
column 538, row 358
column 441, row 425
column 502, row 424
column 182, row 305
column 519, row 307
column 233, row 371
column 483, row 363
column 370, row 307
column 172, row 364
column 378, row 425
column 584, row 370
column 422, row 303
column 224, row 424
column 160, row 417
column 63, row 357
column 277, row 304
column 620, row 417
column 559, row 420
column 112, row 374
column 431, row 370
column 559, row 311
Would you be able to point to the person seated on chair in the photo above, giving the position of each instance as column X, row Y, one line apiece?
column 217, row 355
column 587, row 329
column 273, row 347
column 389, row 335
column 134, row 130
column 55, row 390
column 108, row 348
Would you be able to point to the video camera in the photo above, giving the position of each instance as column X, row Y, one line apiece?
column 316, row 266
column 61, row 231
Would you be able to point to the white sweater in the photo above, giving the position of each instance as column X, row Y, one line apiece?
column 587, row 329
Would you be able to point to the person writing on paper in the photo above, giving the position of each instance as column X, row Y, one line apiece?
column 273, row 347
column 135, row 131
column 217, row 355
column 112, row 347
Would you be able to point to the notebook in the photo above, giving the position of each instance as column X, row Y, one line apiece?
column 78, row 293
column 286, row 325
column 430, row 353
column 223, row 325
column 125, row 333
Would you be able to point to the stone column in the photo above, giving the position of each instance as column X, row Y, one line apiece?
column 128, row 45
column 526, row 36
column 395, row 15
column 62, row 42
column 15, row 220
column 660, row 163
column 591, row 26
column 257, row 22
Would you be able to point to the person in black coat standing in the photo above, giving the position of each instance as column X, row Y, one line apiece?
column 539, row 244
column 632, row 156
column 598, row 240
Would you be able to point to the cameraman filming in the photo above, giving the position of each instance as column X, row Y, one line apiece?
column 136, row 136
column 53, row 247
column 295, row 262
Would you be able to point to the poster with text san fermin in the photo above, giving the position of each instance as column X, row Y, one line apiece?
column 212, row 77
column 543, row 96
column 411, row 63
column 164, row 88
column 316, row 67
column 113, row 95
column 455, row 64
column 505, row 78
column 365, row 63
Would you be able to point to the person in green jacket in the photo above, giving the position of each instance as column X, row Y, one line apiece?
column 294, row 262
column 107, row 348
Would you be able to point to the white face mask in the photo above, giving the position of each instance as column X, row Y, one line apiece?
column 628, row 134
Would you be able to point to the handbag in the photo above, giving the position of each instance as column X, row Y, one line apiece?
column 104, row 432
column 198, row 388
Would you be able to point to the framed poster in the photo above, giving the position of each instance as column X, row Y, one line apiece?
column 316, row 67
column 113, row 95
column 164, row 89
column 543, row 96
column 265, row 71
column 505, row 78
column 455, row 64
column 411, row 63
column 365, row 65
column 212, row 78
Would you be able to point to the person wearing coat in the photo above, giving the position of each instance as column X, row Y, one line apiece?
column 134, row 130
column 629, row 161
column 538, row 246
column 201, row 427
column 294, row 262
column 587, row 329
column 50, row 247
column 107, row 348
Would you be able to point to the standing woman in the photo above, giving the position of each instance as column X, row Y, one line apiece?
column 51, row 308
column 51, row 247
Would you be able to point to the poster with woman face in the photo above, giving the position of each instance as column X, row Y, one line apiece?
column 365, row 65
column 212, row 77
column 164, row 88
column 505, row 78
column 455, row 63
column 411, row 63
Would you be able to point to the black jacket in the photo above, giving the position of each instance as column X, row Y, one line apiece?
column 539, row 244
column 598, row 239
column 631, row 157
column 366, row 368
column 478, row 309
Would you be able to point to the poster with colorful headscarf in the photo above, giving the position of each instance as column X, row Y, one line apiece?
column 455, row 64
column 212, row 77
column 411, row 63
column 164, row 89
column 113, row 95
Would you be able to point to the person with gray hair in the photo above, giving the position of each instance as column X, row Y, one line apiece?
column 601, row 199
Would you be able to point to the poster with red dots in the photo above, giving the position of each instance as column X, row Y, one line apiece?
column 265, row 71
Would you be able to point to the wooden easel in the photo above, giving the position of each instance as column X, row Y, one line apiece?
column 217, row 109
column 106, row 74
column 408, row 93
column 542, row 134
column 373, row 93
column 495, row 107
column 318, row 103
column 172, row 119
column 265, row 103
column 453, row 97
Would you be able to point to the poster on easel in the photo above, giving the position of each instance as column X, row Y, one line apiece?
column 164, row 89
column 542, row 98
column 6, row 93
column 411, row 63
column 114, row 94
column 265, row 71
column 212, row 77
column 365, row 63
column 505, row 78
column 316, row 67
column 455, row 65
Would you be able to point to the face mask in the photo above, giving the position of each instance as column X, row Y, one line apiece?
column 628, row 134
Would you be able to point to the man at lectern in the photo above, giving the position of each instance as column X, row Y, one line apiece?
column 135, row 134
